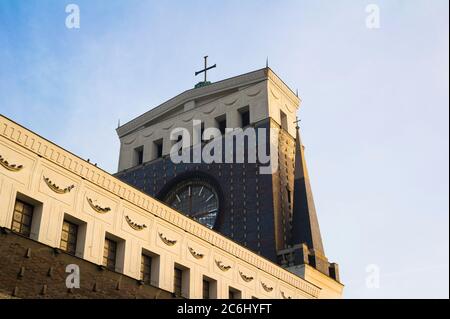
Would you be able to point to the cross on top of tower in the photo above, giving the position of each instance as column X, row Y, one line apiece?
column 205, row 70
column 297, row 123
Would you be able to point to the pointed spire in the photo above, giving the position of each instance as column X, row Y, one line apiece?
column 305, row 225
column 267, row 62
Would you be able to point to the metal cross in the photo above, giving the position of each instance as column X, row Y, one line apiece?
column 205, row 70
column 297, row 121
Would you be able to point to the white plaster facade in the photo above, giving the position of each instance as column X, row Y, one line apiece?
column 41, row 159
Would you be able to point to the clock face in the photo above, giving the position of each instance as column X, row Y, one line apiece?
column 197, row 199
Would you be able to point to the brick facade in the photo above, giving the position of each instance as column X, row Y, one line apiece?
column 33, row 270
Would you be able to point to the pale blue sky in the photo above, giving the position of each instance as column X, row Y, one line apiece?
column 375, row 105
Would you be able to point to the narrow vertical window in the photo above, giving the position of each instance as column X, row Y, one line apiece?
column 109, row 254
column 146, row 269
column 158, row 146
column 284, row 122
column 139, row 154
column 245, row 116
column 221, row 124
column 206, row 289
column 22, row 218
column 177, row 281
column 69, row 235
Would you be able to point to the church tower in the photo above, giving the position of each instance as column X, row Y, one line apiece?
column 271, row 213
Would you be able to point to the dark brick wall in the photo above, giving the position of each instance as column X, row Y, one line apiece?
column 29, row 269
column 255, row 210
